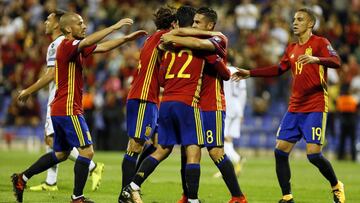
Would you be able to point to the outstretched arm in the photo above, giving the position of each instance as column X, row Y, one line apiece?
column 111, row 44
column 99, row 35
column 269, row 71
column 240, row 74
column 39, row 84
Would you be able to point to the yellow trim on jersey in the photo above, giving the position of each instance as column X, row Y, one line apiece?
column 198, row 125
column 324, row 86
column 75, row 121
column 218, row 93
column 140, row 119
column 148, row 76
column 56, row 75
column 323, row 127
column 218, row 127
column 71, row 88
column 195, row 101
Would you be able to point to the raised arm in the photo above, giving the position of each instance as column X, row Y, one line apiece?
column 44, row 80
column 189, row 42
column 99, row 35
column 111, row 44
column 193, row 32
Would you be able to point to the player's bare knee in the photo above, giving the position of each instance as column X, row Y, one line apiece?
column 313, row 148
column 161, row 152
column 135, row 145
column 216, row 153
column 49, row 141
column 284, row 146
column 62, row 156
column 193, row 154
column 228, row 139
column 86, row 151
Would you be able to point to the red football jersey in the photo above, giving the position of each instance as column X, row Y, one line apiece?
column 69, row 79
column 145, row 85
column 182, row 76
column 212, row 91
column 309, row 85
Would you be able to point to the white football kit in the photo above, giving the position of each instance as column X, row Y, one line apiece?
column 50, row 60
column 235, row 97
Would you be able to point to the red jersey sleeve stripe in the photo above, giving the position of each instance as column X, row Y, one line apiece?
column 148, row 76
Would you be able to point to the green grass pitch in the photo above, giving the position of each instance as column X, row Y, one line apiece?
column 258, row 180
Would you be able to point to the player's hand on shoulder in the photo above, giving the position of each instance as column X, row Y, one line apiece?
column 23, row 96
column 216, row 33
column 240, row 74
column 167, row 38
column 307, row 59
column 175, row 31
column 122, row 22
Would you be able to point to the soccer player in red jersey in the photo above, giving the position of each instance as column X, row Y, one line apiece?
column 70, row 128
column 212, row 100
column 143, row 98
column 308, row 60
column 52, row 28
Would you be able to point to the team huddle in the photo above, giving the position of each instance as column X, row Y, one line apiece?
column 187, row 58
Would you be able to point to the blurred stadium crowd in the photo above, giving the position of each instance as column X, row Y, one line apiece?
column 258, row 33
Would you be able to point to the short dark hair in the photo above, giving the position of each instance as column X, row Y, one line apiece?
column 310, row 13
column 209, row 13
column 163, row 17
column 185, row 16
column 59, row 13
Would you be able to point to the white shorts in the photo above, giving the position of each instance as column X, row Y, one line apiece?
column 49, row 129
column 232, row 126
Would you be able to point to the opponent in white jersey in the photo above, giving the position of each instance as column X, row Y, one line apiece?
column 52, row 28
column 50, row 60
column 235, row 97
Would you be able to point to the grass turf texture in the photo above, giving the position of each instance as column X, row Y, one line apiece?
column 258, row 180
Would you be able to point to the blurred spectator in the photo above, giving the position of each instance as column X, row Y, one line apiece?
column 113, row 118
column 247, row 15
column 334, row 91
column 347, row 106
column 24, row 114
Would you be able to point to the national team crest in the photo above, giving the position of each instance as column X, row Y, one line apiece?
column 331, row 50
column 308, row 51
column 52, row 52
column 148, row 131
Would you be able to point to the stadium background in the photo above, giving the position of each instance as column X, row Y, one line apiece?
column 254, row 40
